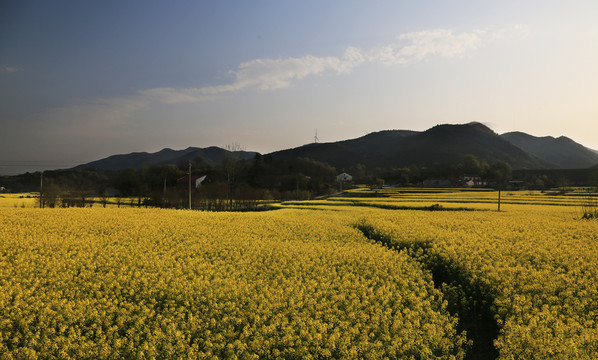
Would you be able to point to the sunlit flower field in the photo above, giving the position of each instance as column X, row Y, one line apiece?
column 359, row 277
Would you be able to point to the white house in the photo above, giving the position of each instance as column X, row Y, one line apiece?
column 344, row 177
column 473, row 181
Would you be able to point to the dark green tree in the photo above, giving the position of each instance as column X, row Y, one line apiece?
column 501, row 172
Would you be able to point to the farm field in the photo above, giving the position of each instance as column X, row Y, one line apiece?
column 30, row 200
column 25, row 200
column 381, row 274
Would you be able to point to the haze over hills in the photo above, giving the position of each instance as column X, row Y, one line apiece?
column 397, row 148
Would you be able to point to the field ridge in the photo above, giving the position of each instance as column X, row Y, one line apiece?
column 467, row 299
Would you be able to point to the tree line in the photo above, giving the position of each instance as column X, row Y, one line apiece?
column 240, row 184
column 235, row 184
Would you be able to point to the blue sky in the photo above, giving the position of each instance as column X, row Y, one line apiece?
column 82, row 80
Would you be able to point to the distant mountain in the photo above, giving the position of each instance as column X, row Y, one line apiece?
column 442, row 144
column 562, row 151
column 347, row 153
column 399, row 148
column 210, row 156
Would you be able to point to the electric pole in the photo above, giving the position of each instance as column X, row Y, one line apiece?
column 41, row 189
column 189, row 184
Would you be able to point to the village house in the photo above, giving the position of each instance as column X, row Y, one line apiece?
column 196, row 180
column 344, row 177
column 473, row 181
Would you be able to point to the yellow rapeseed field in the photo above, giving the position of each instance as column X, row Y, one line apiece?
column 136, row 283
column 359, row 277
column 538, row 264
column 23, row 200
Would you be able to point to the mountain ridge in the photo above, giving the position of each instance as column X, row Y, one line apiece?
column 441, row 144
column 446, row 143
column 562, row 151
column 210, row 156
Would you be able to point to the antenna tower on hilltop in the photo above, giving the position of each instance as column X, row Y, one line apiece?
column 316, row 137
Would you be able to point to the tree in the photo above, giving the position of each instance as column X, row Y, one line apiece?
column 127, row 182
column 51, row 194
column 501, row 172
column 231, row 158
column 471, row 165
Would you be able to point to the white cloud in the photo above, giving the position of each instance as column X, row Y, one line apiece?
column 417, row 46
column 272, row 74
column 170, row 95
column 265, row 74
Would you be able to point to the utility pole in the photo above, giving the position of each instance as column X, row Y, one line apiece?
column 189, row 184
column 41, row 189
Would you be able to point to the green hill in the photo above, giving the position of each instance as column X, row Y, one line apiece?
column 399, row 148
column 209, row 156
column 562, row 151
column 442, row 144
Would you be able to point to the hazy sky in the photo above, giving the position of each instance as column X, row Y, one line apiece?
column 82, row 80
